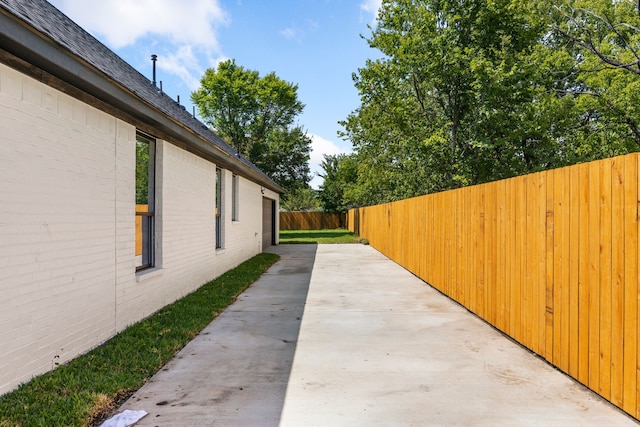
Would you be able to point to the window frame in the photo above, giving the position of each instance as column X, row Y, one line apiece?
column 235, row 187
column 148, row 220
column 219, row 209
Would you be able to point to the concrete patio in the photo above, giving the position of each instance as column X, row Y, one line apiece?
column 339, row 335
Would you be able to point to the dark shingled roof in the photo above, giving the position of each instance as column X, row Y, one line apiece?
column 54, row 25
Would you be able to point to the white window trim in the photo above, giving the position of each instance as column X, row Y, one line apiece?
column 221, row 217
column 151, row 197
column 148, row 273
column 235, row 198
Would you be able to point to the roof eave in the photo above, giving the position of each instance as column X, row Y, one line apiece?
column 23, row 42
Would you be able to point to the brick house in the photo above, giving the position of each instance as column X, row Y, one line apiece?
column 114, row 201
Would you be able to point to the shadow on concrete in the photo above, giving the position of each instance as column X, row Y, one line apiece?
column 378, row 348
column 288, row 291
column 236, row 371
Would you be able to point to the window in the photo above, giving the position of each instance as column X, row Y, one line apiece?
column 234, row 198
column 145, row 200
column 219, row 208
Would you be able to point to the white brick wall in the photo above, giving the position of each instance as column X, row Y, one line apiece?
column 243, row 237
column 185, row 230
column 67, row 228
column 57, row 192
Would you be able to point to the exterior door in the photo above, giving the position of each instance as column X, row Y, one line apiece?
column 268, row 224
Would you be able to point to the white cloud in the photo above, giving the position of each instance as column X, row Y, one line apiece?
column 312, row 25
column 319, row 147
column 122, row 22
column 183, row 34
column 214, row 62
column 289, row 33
column 184, row 64
column 372, row 7
column 298, row 32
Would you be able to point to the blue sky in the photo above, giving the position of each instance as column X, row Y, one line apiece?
column 313, row 43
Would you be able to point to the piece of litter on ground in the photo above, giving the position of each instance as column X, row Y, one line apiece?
column 124, row 419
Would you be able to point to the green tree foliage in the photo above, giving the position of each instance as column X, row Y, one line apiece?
column 471, row 91
column 301, row 199
column 256, row 116
column 606, row 34
column 142, row 173
column 340, row 175
column 284, row 156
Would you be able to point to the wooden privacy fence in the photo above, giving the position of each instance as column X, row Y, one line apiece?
column 139, row 208
column 551, row 259
column 312, row 220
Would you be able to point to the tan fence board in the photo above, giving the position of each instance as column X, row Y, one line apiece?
column 312, row 220
column 510, row 248
column 631, row 341
column 617, row 280
column 583, row 278
column 545, row 281
column 594, row 275
column 561, row 267
column 501, row 258
column 480, row 254
column 536, row 240
column 520, row 259
column 604, row 385
column 550, row 259
column 138, row 228
column 550, row 290
column 575, row 192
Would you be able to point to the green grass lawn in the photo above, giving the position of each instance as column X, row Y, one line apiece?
column 84, row 391
column 338, row 235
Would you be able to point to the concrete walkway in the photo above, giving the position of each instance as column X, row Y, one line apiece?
column 338, row 335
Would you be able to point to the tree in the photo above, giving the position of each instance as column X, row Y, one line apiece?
column 340, row 174
column 472, row 91
column 607, row 37
column 437, row 108
column 301, row 199
column 142, row 173
column 284, row 156
column 255, row 115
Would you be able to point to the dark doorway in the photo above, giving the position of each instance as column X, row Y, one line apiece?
column 268, row 222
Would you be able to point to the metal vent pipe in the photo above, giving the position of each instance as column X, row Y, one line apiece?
column 154, row 58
